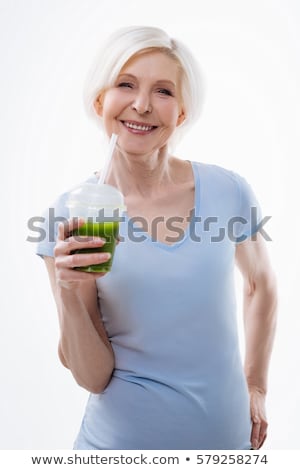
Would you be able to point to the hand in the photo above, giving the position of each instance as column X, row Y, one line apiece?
column 258, row 417
column 65, row 261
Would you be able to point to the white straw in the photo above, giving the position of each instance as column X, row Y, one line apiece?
column 111, row 148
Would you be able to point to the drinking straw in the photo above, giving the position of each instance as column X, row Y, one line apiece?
column 111, row 148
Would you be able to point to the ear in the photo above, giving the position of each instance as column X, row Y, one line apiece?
column 181, row 117
column 98, row 104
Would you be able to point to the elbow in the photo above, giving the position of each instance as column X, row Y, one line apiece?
column 95, row 385
column 262, row 296
column 92, row 377
column 62, row 357
column 270, row 288
column 270, row 292
column 96, row 379
column 96, row 389
column 264, row 282
column 265, row 293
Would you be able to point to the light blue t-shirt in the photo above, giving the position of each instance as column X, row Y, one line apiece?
column 170, row 314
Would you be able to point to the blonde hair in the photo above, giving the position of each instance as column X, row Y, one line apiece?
column 130, row 41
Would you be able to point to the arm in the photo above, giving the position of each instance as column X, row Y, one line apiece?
column 84, row 347
column 260, row 303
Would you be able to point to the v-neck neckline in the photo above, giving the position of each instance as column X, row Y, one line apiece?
column 195, row 211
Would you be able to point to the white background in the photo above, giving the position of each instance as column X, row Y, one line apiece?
column 249, row 52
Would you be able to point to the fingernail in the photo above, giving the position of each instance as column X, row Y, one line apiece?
column 106, row 256
column 96, row 241
column 255, row 444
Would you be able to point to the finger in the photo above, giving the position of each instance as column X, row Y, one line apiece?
column 61, row 231
column 79, row 242
column 261, row 443
column 80, row 260
column 255, row 435
column 66, row 227
column 74, row 243
column 69, row 277
column 262, row 433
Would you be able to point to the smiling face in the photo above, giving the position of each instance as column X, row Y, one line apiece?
column 144, row 105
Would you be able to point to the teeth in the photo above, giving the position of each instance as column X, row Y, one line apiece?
column 138, row 127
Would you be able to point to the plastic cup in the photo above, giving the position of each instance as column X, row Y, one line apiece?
column 101, row 205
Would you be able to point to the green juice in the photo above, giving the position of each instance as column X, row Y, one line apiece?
column 107, row 230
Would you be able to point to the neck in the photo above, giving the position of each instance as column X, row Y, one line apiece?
column 136, row 174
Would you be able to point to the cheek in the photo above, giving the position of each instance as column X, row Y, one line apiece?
column 112, row 104
column 172, row 118
column 169, row 113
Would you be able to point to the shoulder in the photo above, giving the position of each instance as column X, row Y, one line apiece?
column 219, row 180
column 220, row 177
column 211, row 170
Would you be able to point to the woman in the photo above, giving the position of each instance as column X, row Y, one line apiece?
column 155, row 340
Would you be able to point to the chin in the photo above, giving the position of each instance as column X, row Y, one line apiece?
column 135, row 149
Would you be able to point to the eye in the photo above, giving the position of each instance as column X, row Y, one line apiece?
column 165, row 91
column 125, row 85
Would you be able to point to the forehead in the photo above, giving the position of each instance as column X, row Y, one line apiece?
column 156, row 65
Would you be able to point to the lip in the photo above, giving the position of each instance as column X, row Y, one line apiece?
column 137, row 127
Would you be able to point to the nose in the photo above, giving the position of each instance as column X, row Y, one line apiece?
column 142, row 103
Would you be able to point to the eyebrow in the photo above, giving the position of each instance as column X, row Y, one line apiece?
column 163, row 80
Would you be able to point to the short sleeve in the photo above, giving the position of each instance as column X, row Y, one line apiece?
column 46, row 228
column 247, row 221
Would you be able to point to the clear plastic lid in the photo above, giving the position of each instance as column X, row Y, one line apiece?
column 96, row 196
